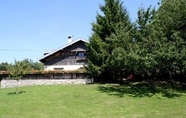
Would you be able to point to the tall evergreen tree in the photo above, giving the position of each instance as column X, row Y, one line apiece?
column 100, row 48
column 161, row 38
column 147, row 41
column 171, row 19
column 122, row 59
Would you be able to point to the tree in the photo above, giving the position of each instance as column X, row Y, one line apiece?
column 17, row 71
column 96, row 55
column 33, row 65
column 171, row 20
column 147, row 40
column 100, row 46
column 172, row 17
column 161, row 39
column 153, row 47
column 122, row 58
column 3, row 66
column 38, row 66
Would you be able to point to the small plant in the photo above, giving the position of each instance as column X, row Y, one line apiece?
column 17, row 71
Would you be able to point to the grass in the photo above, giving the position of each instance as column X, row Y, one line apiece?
column 92, row 101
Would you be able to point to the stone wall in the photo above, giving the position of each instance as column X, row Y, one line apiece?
column 6, row 83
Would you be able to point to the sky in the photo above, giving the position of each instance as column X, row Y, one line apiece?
column 30, row 27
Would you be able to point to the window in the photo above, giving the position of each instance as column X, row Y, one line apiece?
column 58, row 69
column 71, row 55
column 81, row 54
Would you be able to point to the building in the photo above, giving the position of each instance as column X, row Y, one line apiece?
column 72, row 56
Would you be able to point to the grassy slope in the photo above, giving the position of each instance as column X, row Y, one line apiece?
column 86, row 101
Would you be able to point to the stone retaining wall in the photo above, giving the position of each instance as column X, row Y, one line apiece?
column 5, row 83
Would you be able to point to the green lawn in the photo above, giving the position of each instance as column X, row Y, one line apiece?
column 92, row 101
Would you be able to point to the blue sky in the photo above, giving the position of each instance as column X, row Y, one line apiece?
column 30, row 27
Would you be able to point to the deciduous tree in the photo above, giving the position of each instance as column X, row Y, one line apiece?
column 17, row 71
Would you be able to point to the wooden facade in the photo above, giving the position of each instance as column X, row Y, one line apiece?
column 73, row 54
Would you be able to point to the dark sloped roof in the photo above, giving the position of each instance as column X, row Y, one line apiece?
column 52, row 52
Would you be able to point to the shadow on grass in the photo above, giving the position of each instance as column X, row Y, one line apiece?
column 141, row 90
column 14, row 93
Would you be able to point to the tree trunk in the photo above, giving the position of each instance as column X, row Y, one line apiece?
column 17, row 87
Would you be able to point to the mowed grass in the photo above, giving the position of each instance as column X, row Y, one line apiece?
column 91, row 101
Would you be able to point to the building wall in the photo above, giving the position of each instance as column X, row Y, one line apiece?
column 62, row 67
column 78, row 46
column 66, row 57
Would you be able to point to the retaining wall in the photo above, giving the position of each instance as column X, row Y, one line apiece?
column 46, row 79
column 5, row 83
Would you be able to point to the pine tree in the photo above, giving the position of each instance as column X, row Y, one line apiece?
column 122, row 59
column 161, row 39
column 100, row 47
column 171, row 20
column 147, row 41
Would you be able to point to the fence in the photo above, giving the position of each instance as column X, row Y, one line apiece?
column 51, row 76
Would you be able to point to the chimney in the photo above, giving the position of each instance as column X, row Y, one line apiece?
column 69, row 39
column 45, row 53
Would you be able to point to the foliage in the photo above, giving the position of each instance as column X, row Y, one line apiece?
column 32, row 65
column 96, row 55
column 122, row 50
column 3, row 66
column 100, row 48
column 171, row 20
column 160, row 41
column 153, row 47
column 147, row 42
column 18, row 70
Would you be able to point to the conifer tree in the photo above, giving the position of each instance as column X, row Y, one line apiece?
column 147, row 41
column 100, row 48
column 171, row 19
column 161, row 38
